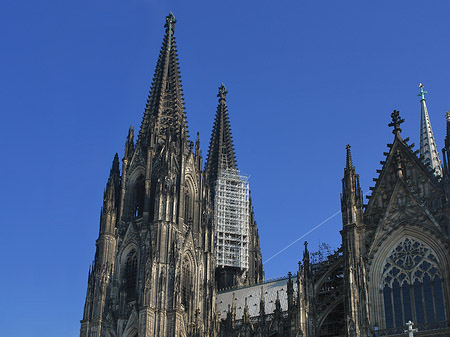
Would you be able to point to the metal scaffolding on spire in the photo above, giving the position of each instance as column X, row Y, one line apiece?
column 231, row 219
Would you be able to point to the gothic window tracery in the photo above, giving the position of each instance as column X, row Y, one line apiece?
column 189, row 205
column 412, row 285
column 138, row 197
column 186, row 284
column 130, row 274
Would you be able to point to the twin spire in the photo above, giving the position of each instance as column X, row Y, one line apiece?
column 165, row 106
column 221, row 153
column 165, row 113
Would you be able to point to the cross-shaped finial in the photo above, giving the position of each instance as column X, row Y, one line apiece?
column 410, row 330
column 422, row 93
column 222, row 92
column 170, row 22
column 396, row 121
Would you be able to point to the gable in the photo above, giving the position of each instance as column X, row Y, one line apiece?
column 404, row 207
column 401, row 164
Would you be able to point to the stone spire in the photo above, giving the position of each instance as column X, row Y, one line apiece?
column 165, row 105
column 446, row 149
column 428, row 150
column 351, row 197
column 111, row 199
column 221, row 153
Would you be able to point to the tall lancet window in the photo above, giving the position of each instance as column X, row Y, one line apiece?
column 189, row 204
column 130, row 274
column 186, row 285
column 138, row 197
column 188, row 208
column 412, row 286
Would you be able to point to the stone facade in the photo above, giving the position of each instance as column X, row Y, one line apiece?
column 154, row 269
column 154, row 272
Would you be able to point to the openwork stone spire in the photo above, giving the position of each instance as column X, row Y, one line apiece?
column 221, row 153
column 165, row 106
column 428, row 150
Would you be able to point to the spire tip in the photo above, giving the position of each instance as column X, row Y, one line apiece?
column 222, row 92
column 348, row 159
column 422, row 93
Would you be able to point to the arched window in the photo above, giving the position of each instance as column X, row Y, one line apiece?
column 412, row 286
column 138, row 197
column 130, row 274
column 186, row 285
column 188, row 208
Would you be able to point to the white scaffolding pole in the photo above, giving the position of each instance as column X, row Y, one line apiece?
column 231, row 219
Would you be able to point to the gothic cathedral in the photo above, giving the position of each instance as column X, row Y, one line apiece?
column 178, row 249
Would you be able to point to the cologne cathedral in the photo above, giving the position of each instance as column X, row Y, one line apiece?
column 178, row 249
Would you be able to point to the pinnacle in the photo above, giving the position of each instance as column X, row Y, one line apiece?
column 115, row 166
column 348, row 160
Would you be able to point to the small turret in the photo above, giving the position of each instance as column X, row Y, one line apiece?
column 290, row 292
column 351, row 198
column 129, row 144
column 246, row 315
column 262, row 306
column 306, row 259
column 111, row 199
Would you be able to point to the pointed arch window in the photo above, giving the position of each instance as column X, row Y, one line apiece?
column 130, row 274
column 188, row 208
column 189, row 205
column 412, row 286
column 186, row 285
column 138, row 197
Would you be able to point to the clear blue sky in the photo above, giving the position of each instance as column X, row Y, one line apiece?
column 304, row 79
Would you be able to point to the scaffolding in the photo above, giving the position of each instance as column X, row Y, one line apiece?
column 231, row 219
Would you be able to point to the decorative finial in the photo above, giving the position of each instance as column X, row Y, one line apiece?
column 422, row 93
column 170, row 22
column 447, row 116
column 396, row 121
column 222, row 92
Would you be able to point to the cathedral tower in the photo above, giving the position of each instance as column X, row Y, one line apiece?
column 153, row 273
column 237, row 251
